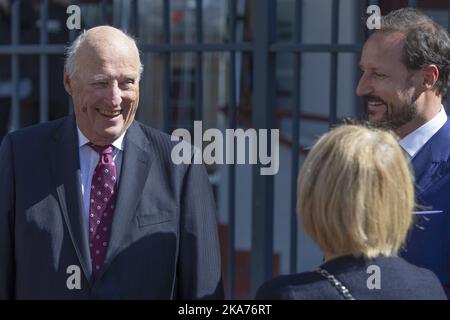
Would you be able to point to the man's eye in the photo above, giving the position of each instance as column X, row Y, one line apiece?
column 127, row 83
column 380, row 75
column 100, row 83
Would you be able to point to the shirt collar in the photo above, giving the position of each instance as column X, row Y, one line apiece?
column 414, row 141
column 118, row 143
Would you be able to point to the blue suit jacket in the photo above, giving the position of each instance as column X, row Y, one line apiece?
column 428, row 244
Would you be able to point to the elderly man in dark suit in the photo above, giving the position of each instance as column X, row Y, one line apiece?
column 91, row 205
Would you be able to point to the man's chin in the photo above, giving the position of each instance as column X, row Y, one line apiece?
column 376, row 117
column 108, row 135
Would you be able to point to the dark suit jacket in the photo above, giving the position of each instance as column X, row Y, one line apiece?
column 163, row 244
column 428, row 244
column 398, row 279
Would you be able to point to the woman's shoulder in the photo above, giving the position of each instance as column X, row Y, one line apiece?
column 378, row 278
column 397, row 265
column 394, row 278
column 421, row 278
column 294, row 286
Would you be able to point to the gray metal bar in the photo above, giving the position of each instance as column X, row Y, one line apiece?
column 31, row 49
column 293, row 47
column 104, row 11
column 295, row 137
column 43, row 64
column 72, row 36
column 158, row 48
column 199, row 61
column 204, row 47
column 72, row 32
column 232, row 169
column 15, row 67
column 448, row 18
column 364, row 6
column 161, row 48
column 412, row 3
column 167, row 108
column 264, row 30
column 360, row 35
column 122, row 16
column 135, row 21
column 334, row 62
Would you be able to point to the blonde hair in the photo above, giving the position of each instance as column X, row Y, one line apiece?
column 356, row 192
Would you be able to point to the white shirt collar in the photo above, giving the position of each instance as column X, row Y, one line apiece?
column 118, row 143
column 414, row 141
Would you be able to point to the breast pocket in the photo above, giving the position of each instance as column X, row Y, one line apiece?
column 429, row 220
column 155, row 217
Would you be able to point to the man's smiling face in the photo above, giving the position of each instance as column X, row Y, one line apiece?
column 105, row 86
column 386, row 83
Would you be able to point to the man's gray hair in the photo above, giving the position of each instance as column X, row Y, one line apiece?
column 72, row 51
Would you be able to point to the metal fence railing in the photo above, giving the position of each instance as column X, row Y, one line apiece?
column 263, row 48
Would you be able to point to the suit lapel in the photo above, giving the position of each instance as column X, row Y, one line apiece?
column 136, row 163
column 65, row 164
column 431, row 163
column 421, row 163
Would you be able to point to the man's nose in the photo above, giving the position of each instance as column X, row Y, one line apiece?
column 114, row 96
column 363, row 87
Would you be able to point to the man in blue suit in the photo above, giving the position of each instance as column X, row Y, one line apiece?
column 406, row 67
column 92, row 205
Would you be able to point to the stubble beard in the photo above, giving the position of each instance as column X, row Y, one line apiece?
column 401, row 116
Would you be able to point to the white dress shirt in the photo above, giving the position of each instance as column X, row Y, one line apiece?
column 88, row 161
column 414, row 141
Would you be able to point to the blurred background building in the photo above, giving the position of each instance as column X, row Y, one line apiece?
column 263, row 64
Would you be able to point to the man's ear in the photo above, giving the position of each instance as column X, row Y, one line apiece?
column 67, row 82
column 430, row 76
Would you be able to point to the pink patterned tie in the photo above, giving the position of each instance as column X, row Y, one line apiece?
column 101, row 207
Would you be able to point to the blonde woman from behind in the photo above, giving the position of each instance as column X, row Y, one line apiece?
column 355, row 200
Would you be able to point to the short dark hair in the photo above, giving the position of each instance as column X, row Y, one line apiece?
column 426, row 42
